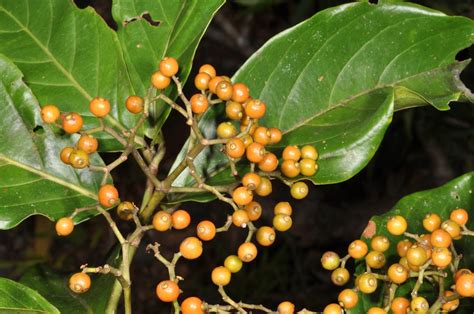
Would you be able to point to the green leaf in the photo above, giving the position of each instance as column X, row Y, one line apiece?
column 55, row 288
column 17, row 298
column 68, row 56
column 178, row 28
column 457, row 193
column 333, row 81
column 33, row 179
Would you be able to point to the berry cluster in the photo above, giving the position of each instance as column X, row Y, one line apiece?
column 241, row 138
column 430, row 257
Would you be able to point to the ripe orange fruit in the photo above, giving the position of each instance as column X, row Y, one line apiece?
column 167, row 291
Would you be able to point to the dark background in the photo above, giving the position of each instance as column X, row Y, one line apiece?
column 422, row 149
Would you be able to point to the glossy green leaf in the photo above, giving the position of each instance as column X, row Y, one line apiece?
column 458, row 193
column 17, row 298
column 149, row 30
column 334, row 80
column 33, row 180
column 68, row 56
column 55, row 288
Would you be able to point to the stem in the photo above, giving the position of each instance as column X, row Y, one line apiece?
column 227, row 299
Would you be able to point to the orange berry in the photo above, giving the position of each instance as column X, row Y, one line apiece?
column 64, row 226
column 88, row 143
column 400, row 305
column 283, row 208
column 290, row 168
column 419, row 305
column 78, row 159
column 451, row 305
column 180, row 219
column 255, row 108
column 162, row 221
column 240, row 218
column 380, row 243
column 108, row 195
column 192, row 305
column 66, row 154
column 275, row 136
column 403, row 246
column 234, row 110
column 396, row 225
column 191, row 248
column 261, row 135
column 233, row 263
column 134, row 104
column 330, row 260
column 242, row 196
column 440, row 238
column 167, row 291
column 247, row 140
column 452, row 228
column 254, row 210
column 50, row 113
column 465, row 285
column 416, row 255
column 282, row 222
column 221, row 276
column 201, row 81
column 208, row 69
column 265, row 187
column 251, row 180
column 206, row 230
column 269, row 162
column 375, row 259
column 309, row 152
column 348, row 298
column 224, row 90
column 247, row 252
column 461, row 272
column 299, row 190
column 72, row 123
column 160, row 81
column 226, row 130
column 291, row 153
column 367, row 283
column 240, row 92
column 376, row 310
column 169, row 66
column 459, row 216
column 308, row 167
column 214, row 82
column 199, row 103
column 333, row 308
column 431, row 222
column 265, row 236
column 255, row 152
column 79, row 282
column 100, row 107
column 441, row 257
column 357, row 249
column 235, row 148
column 286, row 307
column 397, row 273
column 340, row 276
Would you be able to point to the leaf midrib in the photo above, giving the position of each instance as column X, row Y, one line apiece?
column 50, row 177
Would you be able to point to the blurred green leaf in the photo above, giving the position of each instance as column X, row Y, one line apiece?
column 334, row 80
column 33, row 179
column 17, row 298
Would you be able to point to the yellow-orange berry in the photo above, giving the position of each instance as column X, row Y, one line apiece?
column 242, row 196
column 169, row 66
column 79, row 282
column 134, row 104
column 50, row 113
column 162, row 221
column 180, row 219
column 64, row 226
column 247, row 252
column 397, row 225
column 191, row 248
column 167, row 291
column 357, row 249
column 160, row 81
column 108, row 195
column 100, row 107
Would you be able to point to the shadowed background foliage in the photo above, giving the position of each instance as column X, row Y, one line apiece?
column 422, row 149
